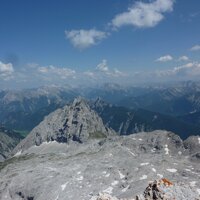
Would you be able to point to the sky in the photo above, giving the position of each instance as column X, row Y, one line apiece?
column 78, row 42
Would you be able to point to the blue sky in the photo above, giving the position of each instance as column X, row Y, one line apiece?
column 91, row 41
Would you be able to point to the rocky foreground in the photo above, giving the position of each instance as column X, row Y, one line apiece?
column 160, row 190
column 73, row 155
column 119, row 166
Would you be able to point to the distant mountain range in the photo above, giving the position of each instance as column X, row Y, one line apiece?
column 180, row 99
column 24, row 109
column 77, row 149
column 127, row 121
column 127, row 110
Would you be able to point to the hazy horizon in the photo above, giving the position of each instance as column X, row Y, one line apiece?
column 91, row 43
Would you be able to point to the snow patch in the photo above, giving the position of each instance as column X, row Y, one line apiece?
column 114, row 183
column 107, row 175
column 18, row 153
column 153, row 150
column 160, row 175
column 189, row 170
column 166, row 150
column 108, row 190
column 130, row 151
column 80, row 178
column 64, row 186
column 144, row 164
column 193, row 183
column 121, row 175
column 143, row 177
column 51, row 142
column 125, row 189
column 175, row 163
column 153, row 169
column 172, row 170
column 199, row 140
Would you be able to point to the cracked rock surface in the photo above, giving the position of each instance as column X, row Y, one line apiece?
column 119, row 166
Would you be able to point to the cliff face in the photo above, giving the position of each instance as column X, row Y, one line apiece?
column 8, row 141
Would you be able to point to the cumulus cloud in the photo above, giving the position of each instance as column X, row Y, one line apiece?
column 165, row 58
column 83, row 39
column 183, row 58
column 144, row 15
column 6, row 70
column 51, row 70
column 103, row 72
column 104, row 69
column 189, row 70
column 195, row 48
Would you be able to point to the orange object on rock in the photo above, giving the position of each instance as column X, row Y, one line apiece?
column 166, row 182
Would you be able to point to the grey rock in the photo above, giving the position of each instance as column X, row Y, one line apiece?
column 8, row 141
column 74, row 122
column 119, row 166
column 192, row 144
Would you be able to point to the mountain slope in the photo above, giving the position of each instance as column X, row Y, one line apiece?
column 175, row 100
column 74, row 122
column 24, row 109
column 8, row 141
column 120, row 165
column 126, row 121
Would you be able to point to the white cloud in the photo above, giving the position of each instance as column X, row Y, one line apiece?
column 165, row 58
column 195, row 48
column 89, row 73
column 188, row 70
column 6, row 70
column 144, row 15
column 82, row 39
column 118, row 73
column 183, row 58
column 51, row 70
column 103, row 67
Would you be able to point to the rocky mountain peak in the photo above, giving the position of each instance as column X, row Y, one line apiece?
column 75, row 122
column 80, row 102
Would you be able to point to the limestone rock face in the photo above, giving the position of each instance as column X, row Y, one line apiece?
column 192, row 143
column 74, row 122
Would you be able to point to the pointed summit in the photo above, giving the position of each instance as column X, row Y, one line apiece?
column 75, row 122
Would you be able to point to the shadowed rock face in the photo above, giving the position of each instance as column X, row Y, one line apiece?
column 76, row 122
column 8, row 141
column 119, row 166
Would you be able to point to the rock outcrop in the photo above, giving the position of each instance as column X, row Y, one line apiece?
column 165, row 190
column 74, row 122
column 118, row 166
column 161, row 189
